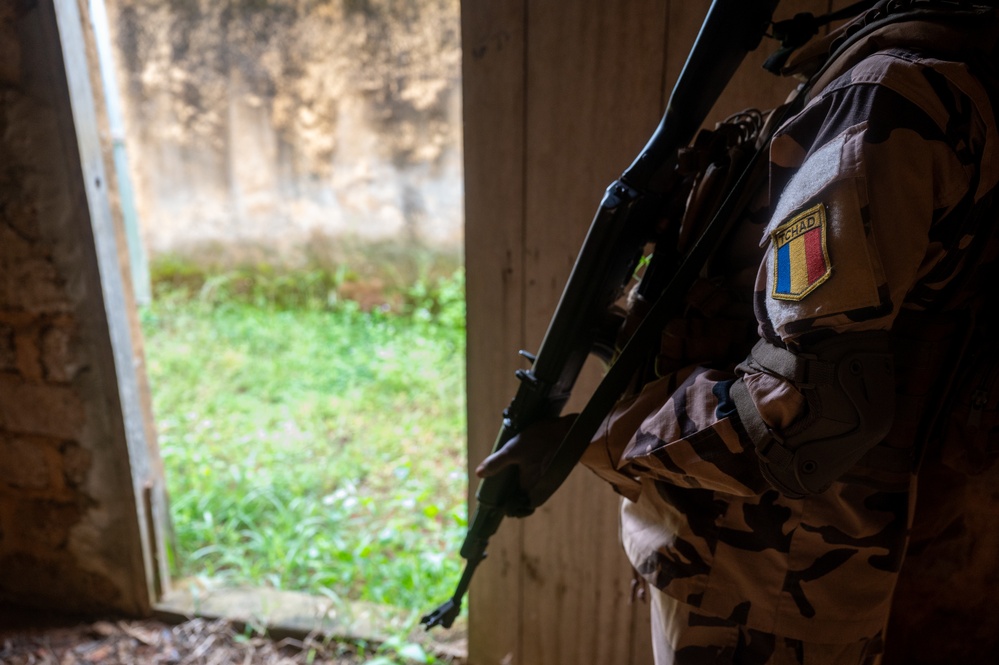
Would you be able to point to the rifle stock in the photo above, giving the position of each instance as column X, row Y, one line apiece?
column 624, row 222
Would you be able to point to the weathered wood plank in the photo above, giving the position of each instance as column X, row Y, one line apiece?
column 593, row 98
column 493, row 90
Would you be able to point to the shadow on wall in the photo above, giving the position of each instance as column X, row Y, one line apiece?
column 271, row 123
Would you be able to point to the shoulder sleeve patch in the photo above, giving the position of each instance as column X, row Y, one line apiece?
column 801, row 255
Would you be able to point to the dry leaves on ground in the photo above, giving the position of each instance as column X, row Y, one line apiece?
column 195, row 642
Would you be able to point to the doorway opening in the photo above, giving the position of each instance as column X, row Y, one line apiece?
column 297, row 176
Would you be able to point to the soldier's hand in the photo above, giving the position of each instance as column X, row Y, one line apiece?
column 530, row 451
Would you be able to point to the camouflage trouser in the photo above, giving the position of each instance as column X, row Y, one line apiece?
column 681, row 635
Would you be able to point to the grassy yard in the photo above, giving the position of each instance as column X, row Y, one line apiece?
column 311, row 443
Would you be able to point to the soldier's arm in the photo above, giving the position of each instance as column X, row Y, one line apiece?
column 863, row 173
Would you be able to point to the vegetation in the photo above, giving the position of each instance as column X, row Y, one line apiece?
column 311, row 441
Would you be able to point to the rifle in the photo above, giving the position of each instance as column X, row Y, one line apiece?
column 584, row 321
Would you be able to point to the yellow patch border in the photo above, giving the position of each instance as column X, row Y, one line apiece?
column 819, row 211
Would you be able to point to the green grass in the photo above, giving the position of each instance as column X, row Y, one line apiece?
column 312, row 443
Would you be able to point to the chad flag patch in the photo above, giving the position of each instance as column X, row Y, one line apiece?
column 801, row 257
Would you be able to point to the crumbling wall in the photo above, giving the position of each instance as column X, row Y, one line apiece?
column 274, row 122
column 68, row 529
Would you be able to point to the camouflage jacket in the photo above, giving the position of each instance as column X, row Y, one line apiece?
column 865, row 217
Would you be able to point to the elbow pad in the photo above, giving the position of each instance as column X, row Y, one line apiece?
column 849, row 389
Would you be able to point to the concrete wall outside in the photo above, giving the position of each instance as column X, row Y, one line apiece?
column 256, row 128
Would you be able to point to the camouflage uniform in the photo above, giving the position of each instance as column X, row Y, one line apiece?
column 865, row 226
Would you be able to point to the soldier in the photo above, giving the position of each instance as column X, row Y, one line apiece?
column 769, row 490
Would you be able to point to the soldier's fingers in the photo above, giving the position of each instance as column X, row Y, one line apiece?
column 495, row 463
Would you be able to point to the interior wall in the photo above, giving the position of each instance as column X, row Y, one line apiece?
column 69, row 520
column 558, row 99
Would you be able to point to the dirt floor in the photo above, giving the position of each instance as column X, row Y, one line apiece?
column 194, row 642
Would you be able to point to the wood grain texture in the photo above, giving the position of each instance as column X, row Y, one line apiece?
column 493, row 91
column 594, row 81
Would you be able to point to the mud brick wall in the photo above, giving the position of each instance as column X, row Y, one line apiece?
column 67, row 517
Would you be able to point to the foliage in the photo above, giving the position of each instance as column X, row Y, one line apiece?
column 400, row 279
column 309, row 443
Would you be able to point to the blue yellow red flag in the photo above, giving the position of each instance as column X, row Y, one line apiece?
column 801, row 254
